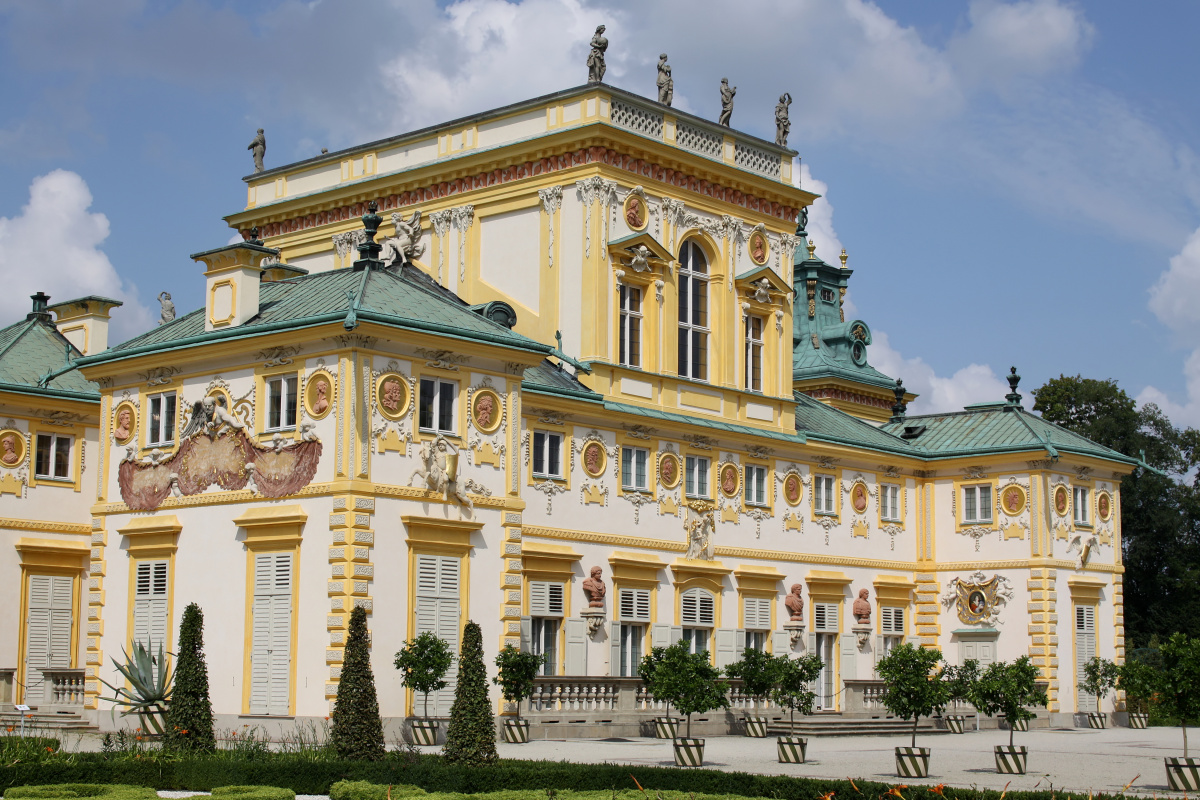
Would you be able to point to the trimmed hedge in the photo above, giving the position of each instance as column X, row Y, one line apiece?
column 69, row 791
column 365, row 790
column 433, row 774
column 253, row 793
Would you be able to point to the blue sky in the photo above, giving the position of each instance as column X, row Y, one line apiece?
column 1015, row 182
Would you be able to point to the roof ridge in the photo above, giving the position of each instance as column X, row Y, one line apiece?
column 29, row 323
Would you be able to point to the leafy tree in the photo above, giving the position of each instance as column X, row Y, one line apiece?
column 471, row 734
column 357, row 730
column 687, row 681
column 423, row 663
column 1179, row 683
column 756, row 670
column 1139, row 681
column 962, row 681
column 1160, row 513
column 1007, row 688
column 793, row 683
column 189, row 722
column 915, row 688
column 517, row 671
column 646, row 670
column 1099, row 676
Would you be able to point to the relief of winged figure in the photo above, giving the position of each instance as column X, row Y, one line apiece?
column 439, row 469
column 208, row 415
column 403, row 247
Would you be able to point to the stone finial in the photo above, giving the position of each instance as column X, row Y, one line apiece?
column 254, row 233
column 812, row 249
column 1013, row 397
column 900, row 407
column 368, row 249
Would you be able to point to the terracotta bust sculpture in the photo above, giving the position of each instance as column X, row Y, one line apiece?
column 321, row 402
column 756, row 249
column 124, row 423
column 668, row 470
column 595, row 589
column 862, row 607
column 591, row 462
column 8, row 450
column 484, row 410
column 633, row 212
column 794, row 602
column 391, row 395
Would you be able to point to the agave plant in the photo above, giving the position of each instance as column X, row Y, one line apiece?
column 148, row 690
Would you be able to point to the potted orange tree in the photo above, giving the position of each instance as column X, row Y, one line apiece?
column 960, row 682
column 1008, row 688
column 1139, row 681
column 915, row 688
column 1178, row 696
column 793, row 691
column 423, row 663
column 756, row 671
column 665, row 727
column 1099, row 676
column 515, row 679
column 690, row 683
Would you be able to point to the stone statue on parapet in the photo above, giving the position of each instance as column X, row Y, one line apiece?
column 783, row 125
column 595, row 61
column 167, row 308
column 258, row 148
column 666, row 84
column 403, row 247
column 727, row 93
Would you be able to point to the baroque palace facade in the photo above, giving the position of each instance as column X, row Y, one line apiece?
column 452, row 374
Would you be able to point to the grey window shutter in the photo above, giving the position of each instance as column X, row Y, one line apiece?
column 526, row 635
column 915, row 641
column 781, row 643
column 876, row 650
column 739, row 643
column 849, row 656
column 812, row 644
column 575, row 654
column 726, row 641
column 614, row 649
column 676, row 634
column 660, row 636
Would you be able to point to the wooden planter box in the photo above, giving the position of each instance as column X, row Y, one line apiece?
column 912, row 762
column 1011, row 760
column 792, row 749
column 689, row 752
column 756, row 727
column 425, row 731
column 1183, row 774
column 516, row 731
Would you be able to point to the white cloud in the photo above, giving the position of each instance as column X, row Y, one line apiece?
column 820, row 217
column 53, row 246
column 1175, row 300
column 974, row 383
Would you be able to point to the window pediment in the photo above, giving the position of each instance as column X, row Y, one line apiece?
column 640, row 254
column 763, row 286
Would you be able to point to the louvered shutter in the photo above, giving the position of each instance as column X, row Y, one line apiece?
column 49, row 625
column 635, row 605
column 756, row 613
column 726, row 646
column 575, row 648
column 545, row 599
column 614, row 649
column 150, row 607
column 825, row 617
column 1085, row 650
column 271, row 644
column 439, row 612
column 696, row 607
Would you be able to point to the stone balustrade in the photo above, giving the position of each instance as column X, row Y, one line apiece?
column 63, row 690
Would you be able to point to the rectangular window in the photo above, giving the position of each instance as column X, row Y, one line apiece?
column 889, row 502
column 437, row 602
column 693, row 313
column 633, row 469
column 53, row 456
column 696, row 477
column 271, row 645
column 635, row 605
column 161, row 429
column 630, row 656
column 545, row 643
column 757, row 640
column 437, row 405
column 756, row 619
column 754, row 349
column 547, row 455
column 824, row 500
column 281, row 403
column 1080, row 497
column 756, row 485
column 977, row 504
column 697, row 639
column 630, row 334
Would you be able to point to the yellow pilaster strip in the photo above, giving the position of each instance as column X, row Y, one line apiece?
column 351, row 575
column 1043, row 627
column 94, row 655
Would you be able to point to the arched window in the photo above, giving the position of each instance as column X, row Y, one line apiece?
column 697, row 616
column 693, row 312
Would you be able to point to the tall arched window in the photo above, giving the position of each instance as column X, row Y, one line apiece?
column 693, row 312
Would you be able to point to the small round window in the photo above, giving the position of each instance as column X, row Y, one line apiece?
column 859, row 353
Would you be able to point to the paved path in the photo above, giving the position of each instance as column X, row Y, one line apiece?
column 1078, row 760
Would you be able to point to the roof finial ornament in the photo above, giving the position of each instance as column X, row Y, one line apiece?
column 368, row 249
column 844, row 258
column 254, row 237
column 595, row 60
column 812, row 249
column 40, row 301
column 1013, row 398
column 900, row 407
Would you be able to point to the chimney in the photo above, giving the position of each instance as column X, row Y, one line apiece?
column 39, row 307
column 84, row 321
column 233, row 274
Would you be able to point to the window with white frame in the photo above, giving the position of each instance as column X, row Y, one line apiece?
column 150, row 622
column 161, row 429
column 546, row 613
column 634, row 461
column 977, row 503
column 634, row 609
column 824, row 500
column 825, row 630
column 756, row 485
column 891, row 625
column 756, row 620
column 281, row 402
column 52, row 456
column 436, row 406
column 695, row 476
column 630, row 329
column 547, row 454
column 889, row 502
column 1079, row 494
column 754, row 351
column 697, row 615
column 693, row 312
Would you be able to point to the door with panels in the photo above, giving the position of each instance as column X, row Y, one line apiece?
column 151, row 614
column 823, row 642
column 50, row 621
column 1085, row 651
column 438, row 610
column 271, row 634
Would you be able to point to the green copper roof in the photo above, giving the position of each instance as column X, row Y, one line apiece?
column 706, row 422
column 992, row 429
column 406, row 298
column 549, row 378
column 826, row 423
column 31, row 349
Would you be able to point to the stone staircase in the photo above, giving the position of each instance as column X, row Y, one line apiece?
column 835, row 725
column 42, row 722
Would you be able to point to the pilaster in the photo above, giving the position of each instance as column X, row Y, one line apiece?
column 351, row 575
column 94, row 655
column 1043, row 627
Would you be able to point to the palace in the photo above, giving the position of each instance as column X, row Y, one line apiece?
column 450, row 374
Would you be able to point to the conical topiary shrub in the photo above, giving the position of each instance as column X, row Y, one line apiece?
column 189, row 723
column 471, row 735
column 357, row 731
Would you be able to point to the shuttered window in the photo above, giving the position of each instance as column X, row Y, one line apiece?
column 545, row 599
column 696, row 607
column 891, row 620
column 635, row 605
column 50, row 622
column 150, row 595
column 756, row 613
column 1085, row 650
column 825, row 617
column 271, row 648
column 438, row 606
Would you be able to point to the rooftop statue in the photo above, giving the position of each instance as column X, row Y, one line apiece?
column 595, row 61
column 666, row 84
column 259, row 148
column 783, row 125
column 167, row 308
column 403, row 247
column 727, row 93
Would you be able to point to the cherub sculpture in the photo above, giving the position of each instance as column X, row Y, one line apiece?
column 403, row 247
column 640, row 262
column 700, row 537
column 439, row 469
column 209, row 415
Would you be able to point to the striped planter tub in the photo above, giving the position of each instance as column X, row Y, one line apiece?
column 666, row 727
column 516, row 731
column 791, row 749
column 955, row 723
column 1138, row 720
column 424, row 731
column 1011, row 760
column 1096, row 720
column 1183, row 774
column 756, row 727
column 1019, row 725
column 912, row 762
column 689, row 752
